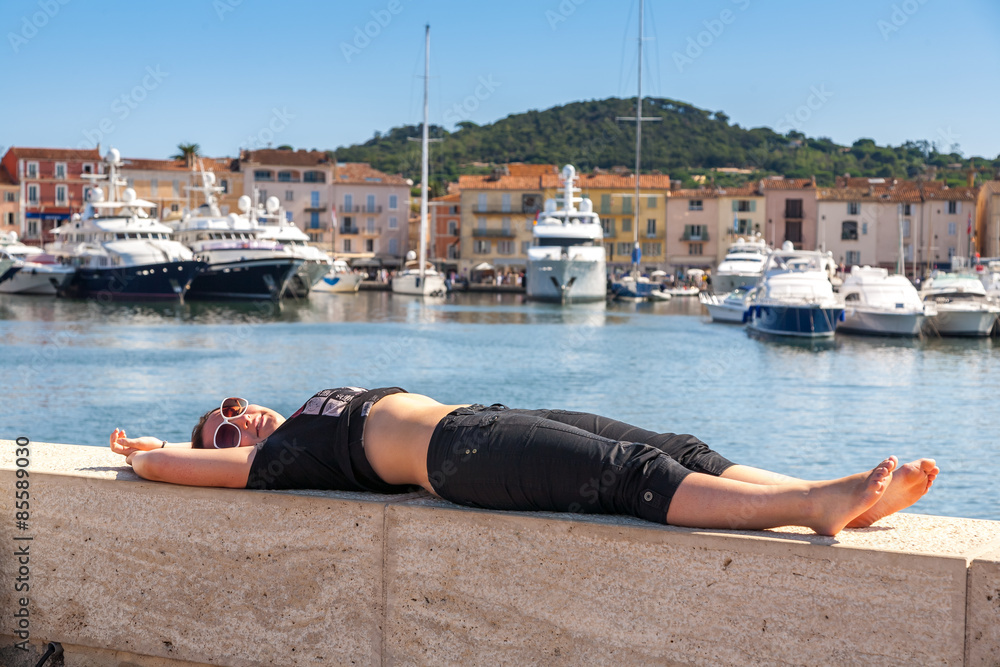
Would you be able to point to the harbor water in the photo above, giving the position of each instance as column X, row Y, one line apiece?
column 74, row 370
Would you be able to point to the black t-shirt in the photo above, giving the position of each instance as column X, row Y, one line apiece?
column 321, row 446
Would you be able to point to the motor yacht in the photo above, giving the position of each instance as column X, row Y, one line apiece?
column 883, row 305
column 742, row 265
column 33, row 271
column 794, row 296
column 118, row 250
column 963, row 308
column 731, row 307
column 274, row 225
column 339, row 279
column 240, row 265
column 566, row 259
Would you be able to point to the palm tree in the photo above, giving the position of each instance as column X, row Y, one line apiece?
column 188, row 153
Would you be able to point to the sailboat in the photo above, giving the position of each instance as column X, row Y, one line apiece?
column 634, row 287
column 418, row 276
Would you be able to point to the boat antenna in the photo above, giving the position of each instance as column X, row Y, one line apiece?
column 638, row 118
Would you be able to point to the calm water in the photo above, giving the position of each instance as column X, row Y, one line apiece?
column 74, row 369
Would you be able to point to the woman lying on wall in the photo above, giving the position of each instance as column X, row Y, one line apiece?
column 389, row 441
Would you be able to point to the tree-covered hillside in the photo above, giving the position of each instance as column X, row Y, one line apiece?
column 687, row 141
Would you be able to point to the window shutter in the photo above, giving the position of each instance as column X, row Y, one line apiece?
column 753, row 206
column 736, row 205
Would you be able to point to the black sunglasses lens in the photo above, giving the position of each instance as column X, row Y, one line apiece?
column 227, row 436
column 233, row 407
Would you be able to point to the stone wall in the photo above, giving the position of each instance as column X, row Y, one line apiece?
column 125, row 571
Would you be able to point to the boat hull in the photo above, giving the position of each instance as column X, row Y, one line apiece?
column 338, row 283
column 41, row 279
column 798, row 321
column 964, row 322
column 632, row 291
column 881, row 323
column 720, row 312
column 566, row 280
column 307, row 277
column 166, row 281
column 409, row 283
column 258, row 279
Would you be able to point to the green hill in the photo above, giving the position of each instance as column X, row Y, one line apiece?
column 687, row 141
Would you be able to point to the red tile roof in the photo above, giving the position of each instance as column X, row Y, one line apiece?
column 949, row 194
column 693, row 193
column 452, row 197
column 5, row 178
column 55, row 153
column 299, row 158
column 552, row 181
column 746, row 190
column 211, row 164
column 786, row 183
column 487, row 182
column 362, row 172
column 521, row 169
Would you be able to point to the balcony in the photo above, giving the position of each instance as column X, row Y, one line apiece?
column 348, row 230
column 358, row 208
column 695, row 236
column 319, row 208
column 494, row 233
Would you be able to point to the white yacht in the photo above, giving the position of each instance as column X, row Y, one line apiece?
column 240, row 266
column 339, row 279
column 794, row 296
column 273, row 225
column 880, row 304
column 731, row 307
column 963, row 308
column 418, row 277
column 33, row 271
column 119, row 251
column 742, row 265
column 566, row 259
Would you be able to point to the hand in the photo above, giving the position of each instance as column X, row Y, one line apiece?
column 120, row 444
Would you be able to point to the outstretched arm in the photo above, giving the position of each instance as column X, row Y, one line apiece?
column 227, row 468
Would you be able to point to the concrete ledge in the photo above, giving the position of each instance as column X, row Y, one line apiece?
column 124, row 571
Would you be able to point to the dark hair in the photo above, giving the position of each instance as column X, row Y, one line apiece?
column 196, row 441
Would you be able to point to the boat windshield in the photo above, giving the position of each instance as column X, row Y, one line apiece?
column 562, row 241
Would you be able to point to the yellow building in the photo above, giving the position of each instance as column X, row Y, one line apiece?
column 741, row 214
column 165, row 183
column 498, row 211
column 614, row 200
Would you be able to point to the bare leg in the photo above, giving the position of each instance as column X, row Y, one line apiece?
column 704, row 501
column 910, row 481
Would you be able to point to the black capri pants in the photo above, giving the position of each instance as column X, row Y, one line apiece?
column 561, row 461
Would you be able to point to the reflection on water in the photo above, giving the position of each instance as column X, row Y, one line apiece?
column 75, row 369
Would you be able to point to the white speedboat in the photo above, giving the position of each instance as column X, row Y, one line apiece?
column 682, row 290
column 119, row 251
column 566, row 258
column 240, row 266
column 880, row 304
column 963, row 308
column 273, row 225
column 731, row 307
column 794, row 296
column 339, row 279
column 419, row 277
column 33, row 271
column 742, row 265
column 638, row 288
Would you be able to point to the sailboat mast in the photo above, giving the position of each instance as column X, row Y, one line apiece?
column 423, row 157
column 638, row 149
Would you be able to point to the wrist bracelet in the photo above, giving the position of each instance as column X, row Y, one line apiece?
column 163, row 443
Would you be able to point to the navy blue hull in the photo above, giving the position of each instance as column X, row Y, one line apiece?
column 794, row 320
column 167, row 281
column 245, row 279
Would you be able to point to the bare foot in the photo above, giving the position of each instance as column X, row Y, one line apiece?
column 910, row 482
column 837, row 502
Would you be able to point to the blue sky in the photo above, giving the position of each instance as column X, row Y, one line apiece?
column 144, row 76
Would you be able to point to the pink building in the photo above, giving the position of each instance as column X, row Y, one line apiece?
column 692, row 228
column 790, row 207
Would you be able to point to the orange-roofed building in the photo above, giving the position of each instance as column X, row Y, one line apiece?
column 50, row 186
column 373, row 211
column 445, row 222
column 988, row 220
column 165, row 183
column 790, row 209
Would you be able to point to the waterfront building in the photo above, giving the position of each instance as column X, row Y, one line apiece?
column 950, row 213
column 301, row 180
column 741, row 214
column 987, row 223
column 9, row 220
column 50, row 187
column 693, row 217
column 445, row 223
column 166, row 183
column 372, row 214
column 497, row 213
column 848, row 225
column 790, row 210
column 613, row 196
